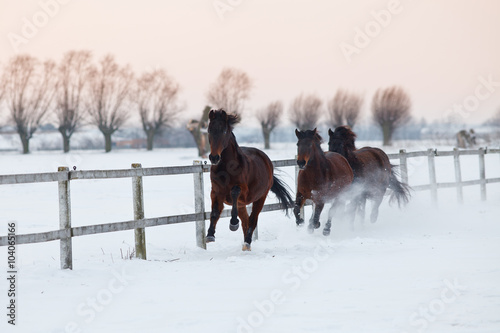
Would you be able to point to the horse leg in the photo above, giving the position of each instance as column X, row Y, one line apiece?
column 217, row 206
column 377, row 200
column 336, row 205
column 361, row 203
column 252, row 222
column 315, row 221
column 235, row 193
column 243, row 214
column 299, row 202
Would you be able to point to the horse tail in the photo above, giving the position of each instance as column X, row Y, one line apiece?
column 284, row 197
column 400, row 190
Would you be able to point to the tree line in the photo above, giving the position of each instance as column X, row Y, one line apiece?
column 81, row 91
column 78, row 91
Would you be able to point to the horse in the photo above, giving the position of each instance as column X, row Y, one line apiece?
column 373, row 173
column 323, row 177
column 239, row 176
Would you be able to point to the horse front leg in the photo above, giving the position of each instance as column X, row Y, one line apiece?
column 314, row 224
column 235, row 194
column 299, row 202
column 217, row 206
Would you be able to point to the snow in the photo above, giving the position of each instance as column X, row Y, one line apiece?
column 428, row 267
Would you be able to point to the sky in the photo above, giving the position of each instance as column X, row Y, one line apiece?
column 444, row 53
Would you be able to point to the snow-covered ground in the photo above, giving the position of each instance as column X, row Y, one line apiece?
column 423, row 268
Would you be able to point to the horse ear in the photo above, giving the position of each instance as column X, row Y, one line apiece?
column 315, row 130
column 298, row 134
column 330, row 131
column 224, row 114
column 211, row 115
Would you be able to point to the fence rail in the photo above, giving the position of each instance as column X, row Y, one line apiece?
column 64, row 176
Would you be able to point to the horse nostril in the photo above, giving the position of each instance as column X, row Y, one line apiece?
column 214, row 158
column 301, row 163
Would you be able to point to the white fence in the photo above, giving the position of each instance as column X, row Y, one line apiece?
column 64, row 177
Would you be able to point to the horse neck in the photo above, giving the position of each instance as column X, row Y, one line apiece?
column 232, row 150
column 318, row 157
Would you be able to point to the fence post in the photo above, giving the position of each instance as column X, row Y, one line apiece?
column 199, row 205
column 482, row 174
column 432, row 174
column 458, row 175
column 138, row 197
column 66, row 250
column 403, row 165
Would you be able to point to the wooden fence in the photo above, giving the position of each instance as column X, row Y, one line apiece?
column 64, row 176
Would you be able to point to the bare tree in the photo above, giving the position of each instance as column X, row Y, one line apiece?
column 109, row 88
column 230, row 91
column 72, row 74
column 391, row 110
column 156, row 97
column 29, row 90
column 305, row 111
column 344, row 109
column 199, row 131
column 269, row 118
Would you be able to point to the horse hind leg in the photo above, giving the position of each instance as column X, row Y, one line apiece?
column 252, row 223
column 243, row 214
column 235, row 194
column 377, row 200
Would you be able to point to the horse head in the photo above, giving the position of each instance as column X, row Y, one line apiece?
column 220, row 132
column 341, row 140
column 308, row 144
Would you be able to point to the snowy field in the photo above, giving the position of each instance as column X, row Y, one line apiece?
column 428, row 267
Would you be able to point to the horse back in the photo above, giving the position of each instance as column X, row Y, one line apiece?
column 372, row 164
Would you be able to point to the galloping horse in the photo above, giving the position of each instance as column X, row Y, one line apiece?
column 239, row 176
column 322, row 178
column 373, row 173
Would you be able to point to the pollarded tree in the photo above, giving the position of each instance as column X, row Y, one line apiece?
column 391, row 110
column 305, row 111
column 269, row 118
column 344, row 109
column 29, row 87
column 230, row 91
column 156, row 97
column 109, row 89
column 72, row 74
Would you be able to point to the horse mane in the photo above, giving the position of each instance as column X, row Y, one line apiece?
column 231, row 119
column 348, row 137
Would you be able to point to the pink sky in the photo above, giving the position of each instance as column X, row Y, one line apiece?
column 440, row 51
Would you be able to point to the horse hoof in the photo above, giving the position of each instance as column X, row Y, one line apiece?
column 246, row 247
column 317, row 225
column 300, row 222
column 310, row 228
column 326, row 232
column 233, row 227
column 210, row 239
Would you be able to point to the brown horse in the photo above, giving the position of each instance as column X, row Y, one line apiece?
column 373, row 173
column 240, row 176
column 323, row 178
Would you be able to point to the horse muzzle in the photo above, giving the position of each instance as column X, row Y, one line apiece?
column 214, row 159
column 301, row 164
